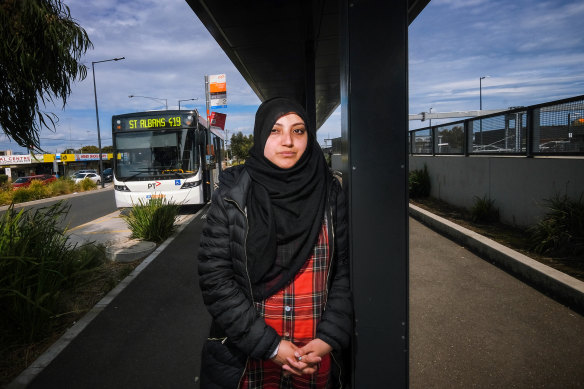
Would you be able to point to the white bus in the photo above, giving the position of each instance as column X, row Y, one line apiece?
column 164, row 154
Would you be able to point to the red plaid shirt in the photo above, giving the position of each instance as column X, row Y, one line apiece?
column 294, row 312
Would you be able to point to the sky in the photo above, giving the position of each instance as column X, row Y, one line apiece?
column 530, row 51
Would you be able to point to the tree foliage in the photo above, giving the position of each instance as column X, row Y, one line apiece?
column 40, row 49
column 240, row 145
column 453, row 137
column 90, row 149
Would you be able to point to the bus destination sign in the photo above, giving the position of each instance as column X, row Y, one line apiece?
column 152, row 122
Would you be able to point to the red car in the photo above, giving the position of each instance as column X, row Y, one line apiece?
column 24, row 182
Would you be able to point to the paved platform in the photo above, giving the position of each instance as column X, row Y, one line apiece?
column 471, row 325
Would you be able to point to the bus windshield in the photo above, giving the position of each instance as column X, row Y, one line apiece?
column 160, row 154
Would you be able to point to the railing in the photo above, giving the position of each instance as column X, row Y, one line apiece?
column 554, row 128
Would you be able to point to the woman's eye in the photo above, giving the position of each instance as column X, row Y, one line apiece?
column 299, row 131
column 274, row 130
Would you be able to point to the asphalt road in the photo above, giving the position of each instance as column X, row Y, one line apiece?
column 85, row 206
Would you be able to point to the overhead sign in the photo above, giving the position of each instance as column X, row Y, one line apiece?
column 218, row 91
column 14, row 159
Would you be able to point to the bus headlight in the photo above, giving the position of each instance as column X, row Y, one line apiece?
column 121, row 188
column 189, row 185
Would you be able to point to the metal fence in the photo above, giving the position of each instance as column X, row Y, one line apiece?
column 554, row 128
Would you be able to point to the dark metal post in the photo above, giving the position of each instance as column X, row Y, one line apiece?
column 467, row 140
column 97, row 115
column 529, row 142
column 374, row 112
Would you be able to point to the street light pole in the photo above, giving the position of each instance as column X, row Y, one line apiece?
column 97, row 113
column 152, row 98
column 430, row 117
column 196, row 98
column 481, row 104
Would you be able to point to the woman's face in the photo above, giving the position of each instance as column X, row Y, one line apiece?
column 287, row 141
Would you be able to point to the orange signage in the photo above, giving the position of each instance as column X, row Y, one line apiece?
column 217, row 83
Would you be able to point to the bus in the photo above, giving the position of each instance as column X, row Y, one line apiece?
column 164, row 154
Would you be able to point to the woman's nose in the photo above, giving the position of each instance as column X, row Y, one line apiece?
column 286, row 138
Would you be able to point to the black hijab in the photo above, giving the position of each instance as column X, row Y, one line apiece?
column 285, row 207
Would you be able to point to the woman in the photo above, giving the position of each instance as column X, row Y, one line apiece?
column 273, row 262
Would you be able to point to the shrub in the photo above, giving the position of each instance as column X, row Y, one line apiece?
column 3, row 179
column 36, row 265
column 38, row 190
column 483, row 210
column 21, row 195
column 152, row 221
column 62, row 186
column 6, row 196
column 86, row 184
column 561, row 231
column 419, row 183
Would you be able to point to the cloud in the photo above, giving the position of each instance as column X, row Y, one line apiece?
column 167, row 54
column 531, row 49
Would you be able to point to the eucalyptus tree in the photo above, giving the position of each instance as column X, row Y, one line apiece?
column 40, row 51
column 240, row 145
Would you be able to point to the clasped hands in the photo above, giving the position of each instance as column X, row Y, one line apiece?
column 301, row 360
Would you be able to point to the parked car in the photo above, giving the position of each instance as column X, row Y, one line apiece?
column 72, row 175
column 557, row 146
column 108, row 175
column 24, row 182
column 92, row 176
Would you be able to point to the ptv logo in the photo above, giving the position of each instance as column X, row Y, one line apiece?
column 153, row 185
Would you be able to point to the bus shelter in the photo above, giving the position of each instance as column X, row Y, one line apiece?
column 323, row 53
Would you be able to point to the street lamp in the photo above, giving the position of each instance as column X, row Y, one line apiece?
column 430, row 117
column 153, row 98
column 481, row 104
column 481, row 91
column 196, row 98
column 97, row 114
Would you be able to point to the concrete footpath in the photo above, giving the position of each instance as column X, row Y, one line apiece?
column 471, row 325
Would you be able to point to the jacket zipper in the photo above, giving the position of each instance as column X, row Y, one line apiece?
column 340, row 370
column 246, row 273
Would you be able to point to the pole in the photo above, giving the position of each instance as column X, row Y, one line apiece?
column 152, row 98
column 430, row 118
column 208, row 105
column 481, row 107
column 97, row 115
column 481, row 93
column 196, row 98
column 97, row 119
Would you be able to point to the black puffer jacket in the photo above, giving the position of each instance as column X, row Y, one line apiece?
column 237, row 331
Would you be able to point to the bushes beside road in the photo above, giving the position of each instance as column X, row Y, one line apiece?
column 38, row 190
column 37, row 267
